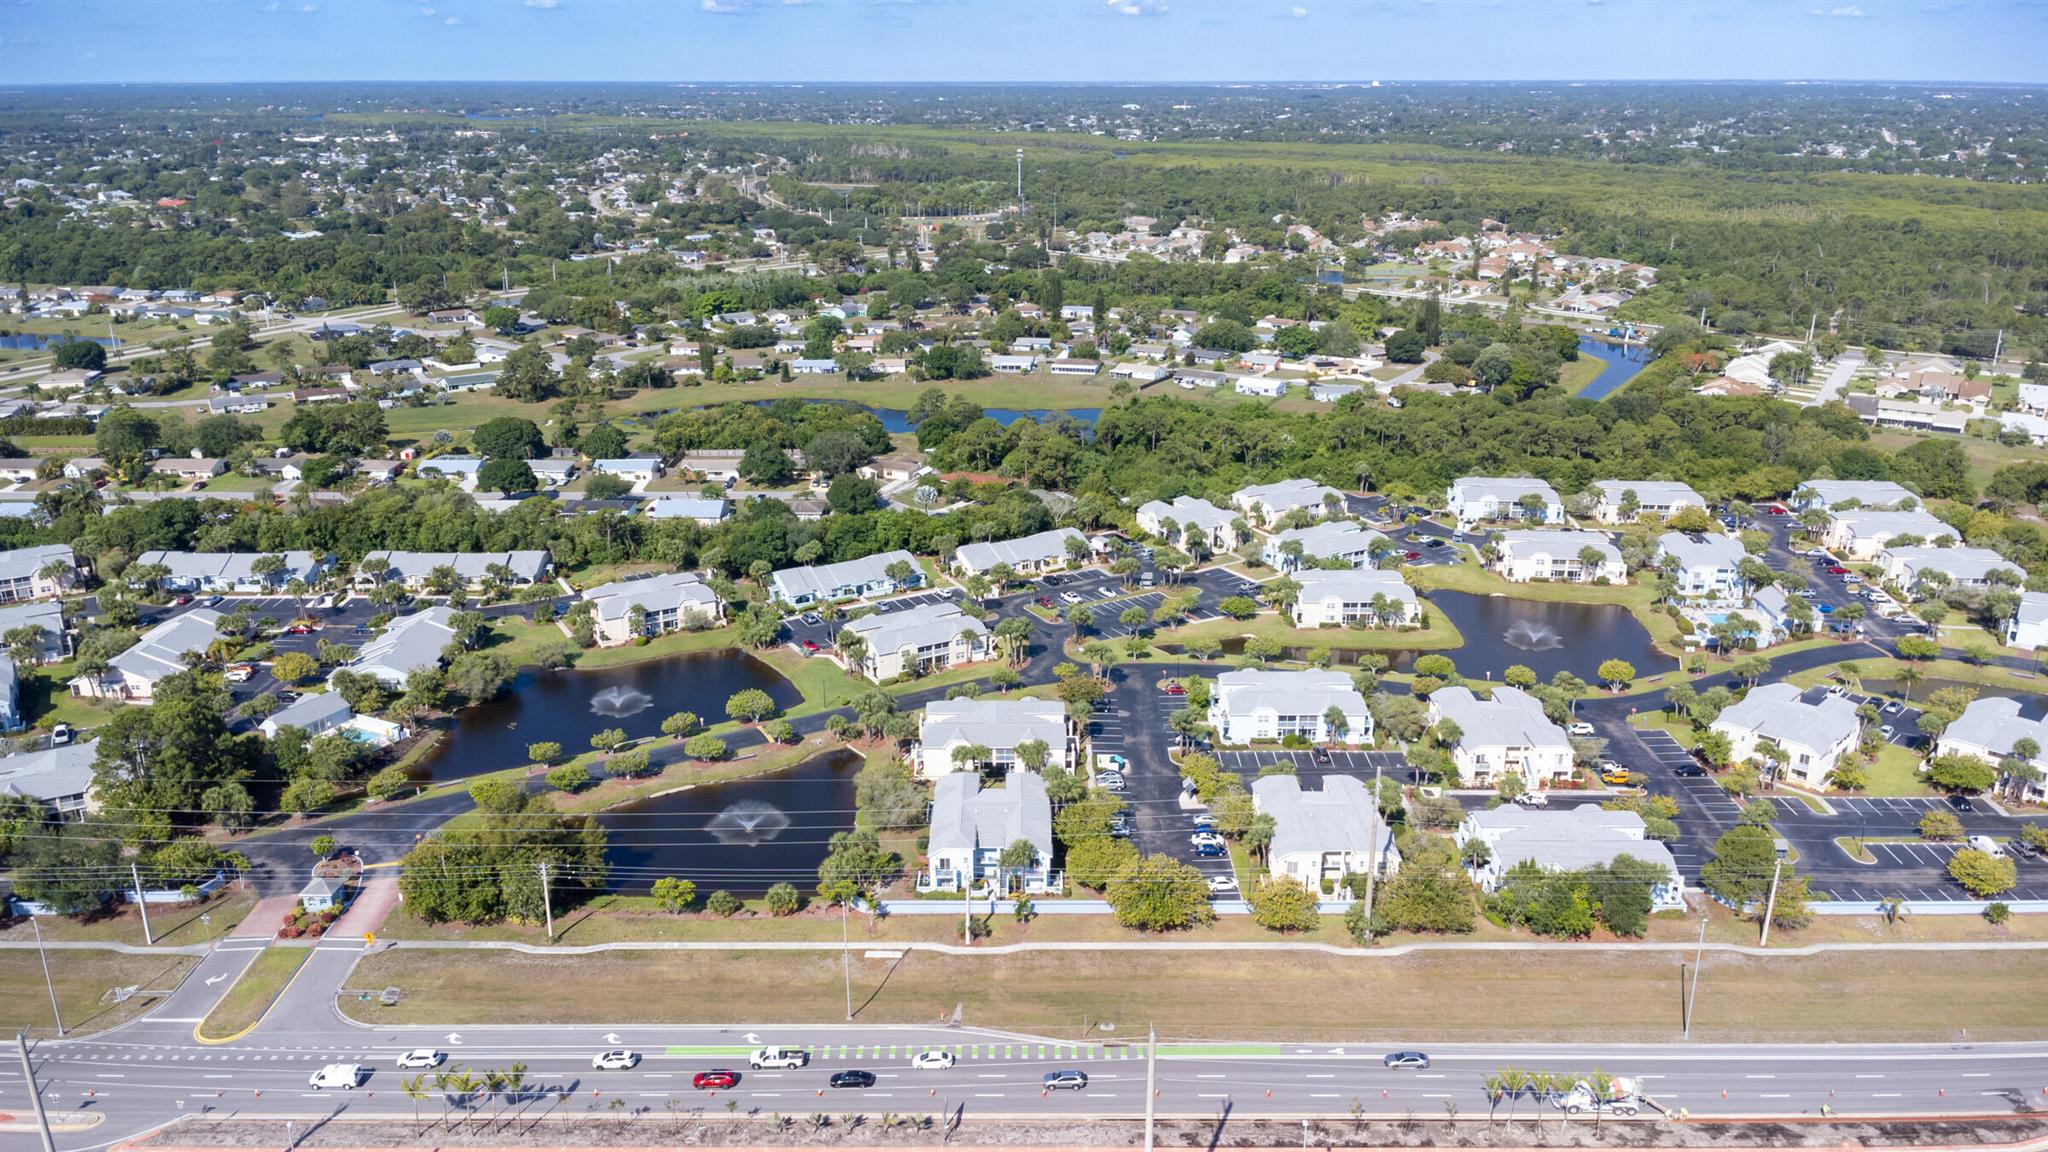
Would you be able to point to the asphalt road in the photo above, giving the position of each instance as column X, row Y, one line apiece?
column 152, row 1071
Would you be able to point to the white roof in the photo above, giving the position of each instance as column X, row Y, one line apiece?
column 1283, row 496
column 1524, row 543
column 1328, row 538
column 161, row 650
column 23, row 563
column 1776, row 712
column 1353, row 584
column 1189, row 511
column 820, row 580
column 1308, row 693
column 966, row 815
column 1033, row 549
column 1705, row 552
column 993, row 723
column 1505, row 489
column 1513, row 718
column 1342, row 818
column 1883, row 522
column 682, row 591
column 1965, row 564
column 1869, row 493
column 1994, row 723
column 1656, row 493
column 919, row 627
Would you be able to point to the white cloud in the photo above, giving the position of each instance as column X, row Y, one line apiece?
column 1845, row 12
column 306, row 7
column 1297, row 11
column 1138, row 7
column 272, row 6
column 721, row 7
column 542, row 3
column 428, row 12
column 452, row 21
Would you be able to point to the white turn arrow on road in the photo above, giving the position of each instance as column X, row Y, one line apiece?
column 611, row 1037
column 455, row 1038
column 212, row 980
column 751, row 1038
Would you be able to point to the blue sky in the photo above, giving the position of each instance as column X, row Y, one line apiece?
column 60, row 41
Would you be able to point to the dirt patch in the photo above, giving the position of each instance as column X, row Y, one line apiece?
column 654, row 1130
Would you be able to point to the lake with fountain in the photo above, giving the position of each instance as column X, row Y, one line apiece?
column 742, row 836
column 569, row 706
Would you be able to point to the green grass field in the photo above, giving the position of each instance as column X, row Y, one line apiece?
column 254, row 992
column 1591, row 995
column 174, row 926
column 83, row 980
column 1441, row 633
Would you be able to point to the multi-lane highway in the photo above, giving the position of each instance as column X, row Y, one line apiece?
column 103, row 1088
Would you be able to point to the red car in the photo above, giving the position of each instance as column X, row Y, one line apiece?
column 1837, row 570
column 181, row 601
column 1045, row 602
column 1176, row 690
column 716, row 1078
column 299, row 630
column 1411, row 555
column 810, row 645
column 1779, row 510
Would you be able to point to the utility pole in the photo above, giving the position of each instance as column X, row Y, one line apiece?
column 967, row 911
column 1151, row 1080
column 47, row 982
column 547, row 905
column 1772, row 903
column 28, row 1073
column 846, row 959
column 1692, row 997
column 1372, row 852
column 135, row 874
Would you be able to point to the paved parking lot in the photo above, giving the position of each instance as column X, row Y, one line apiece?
column 1669, row 755
column 1343, row 762
column 1910, row 807
column 1107, row 611
column 1936, row 855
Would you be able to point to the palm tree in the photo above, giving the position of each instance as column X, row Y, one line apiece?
column 1906, row 677
column 1516, row 1082
column 416, row 1089
column 1334, row 722
column 1258, row 835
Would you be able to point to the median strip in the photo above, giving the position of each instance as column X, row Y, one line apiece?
column 255, row 992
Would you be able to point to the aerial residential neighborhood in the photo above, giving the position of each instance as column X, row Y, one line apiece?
column 742, row 575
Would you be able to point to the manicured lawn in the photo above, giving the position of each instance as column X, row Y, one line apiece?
column 236, row 483
column 1895, row 772
column 1576, row 374
column 174, row 925
column 1885, row 668
column 823, row 684
column 254, row 992
column 83, row 980
column 1590, row 995
column 754, row 761
column 1441, row 633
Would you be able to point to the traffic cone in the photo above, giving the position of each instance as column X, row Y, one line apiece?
column 1269, row 1093
column 1724, row 1093
column 1941, row 1091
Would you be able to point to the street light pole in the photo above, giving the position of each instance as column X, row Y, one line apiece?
column 846, row 959
column 1698, row 956
column 141, row 902
column 1151, row 1080
column 1771, row 904
column 1372, row 853
column 546, row 903
column 47, row 982
column 35, row 1094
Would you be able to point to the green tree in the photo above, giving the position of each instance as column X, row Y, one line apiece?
column 782, row 900
column 294, row 667
column 749, row 705
column 1284, row 904
column 723, row 903
column 1617, row 674
column 1981, row 873
column 506, row 476
column 704, row 746
column 568, row 777
column 1740, row 872
column 1964, row 774
column 1159, row 894
column 544, row 752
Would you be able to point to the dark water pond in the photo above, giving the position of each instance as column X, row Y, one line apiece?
column 743, row 836
column 1547, row 636
column 1623, row 362
column 898, row 419
column 567, row 707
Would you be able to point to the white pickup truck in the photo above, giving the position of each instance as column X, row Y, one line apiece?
column 1624, row 1097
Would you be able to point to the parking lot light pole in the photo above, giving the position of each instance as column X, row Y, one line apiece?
column 1692, row 996
column 47, row 982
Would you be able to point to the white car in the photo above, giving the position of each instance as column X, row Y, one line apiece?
column 616, row 1060
column 421, row 1058
column 1071, row 597
column 1109, row 592
column 1218, row 885
column 1201, row 838
column 934, row 1060
column 1580, row 728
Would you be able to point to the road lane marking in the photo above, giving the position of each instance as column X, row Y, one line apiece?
column 1870, row 1075
column 1884, row 1095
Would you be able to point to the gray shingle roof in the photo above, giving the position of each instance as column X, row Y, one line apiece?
column 967, row 816
column 1776, row 712
column 160, row 651
column 1707, row 552
column 23, row 563
column 1340, row 818
column 1513, row 718
column 683, row 591
column 1037, row 548
column 995, row 724
column 50, row 773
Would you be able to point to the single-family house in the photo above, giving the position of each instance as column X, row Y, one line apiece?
column 37, row 571
column 1567, row 556
column 19, row 469
column 917, row 641
column 1702, row 565
column 1505, row 734
column 1192, row 520
column 719, row 465
column 1566, row 840
column 1626, row 501
column 406, row 645
column 1012, row 365
column 971, row 826
column 461, row 470
column 702, row 509
column 1341, row 598
column 1261, row 385
column 1039, row 552
column 631, row 469
column 867, row 576
column 803, row 367
column 629, row 609
column 47, row 617
column 895, row 468
column 189, row 468
column 1988, row 729
column 322, row 713
column 1256, row 704
column 1000, row 726
column 1070, row 366
column 1321, row 837
column 160, row 652
column 1269, row 503
column 1811, row 738
column 553, row 471
column 1473, row 499
column 1341, row 541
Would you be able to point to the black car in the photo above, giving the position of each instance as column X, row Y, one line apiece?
column 1690, row 769
column 853, row 1078
column 1053, row 581
column 1961, row 803
column 1321, row 755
